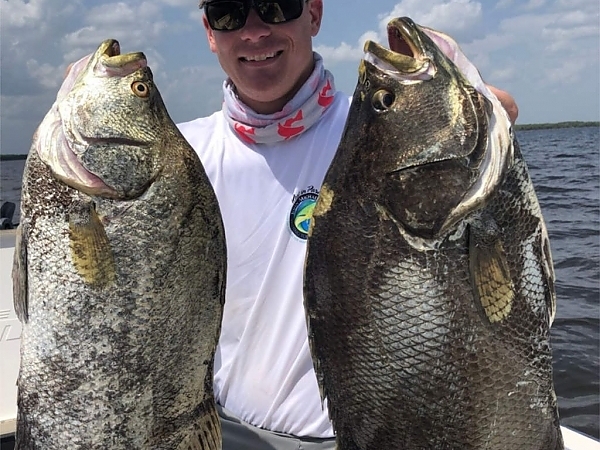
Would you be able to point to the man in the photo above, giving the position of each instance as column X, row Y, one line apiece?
column 266, row 154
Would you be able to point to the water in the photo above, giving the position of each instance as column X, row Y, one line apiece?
column 565, row 167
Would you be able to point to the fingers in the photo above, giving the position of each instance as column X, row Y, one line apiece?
column 507, row 101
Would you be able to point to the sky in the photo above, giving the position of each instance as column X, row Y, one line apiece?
column 545, row 53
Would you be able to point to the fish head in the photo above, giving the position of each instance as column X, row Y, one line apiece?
column 418, row 130
column 103, row 134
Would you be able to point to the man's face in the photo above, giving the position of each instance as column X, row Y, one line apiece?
column 268, row 63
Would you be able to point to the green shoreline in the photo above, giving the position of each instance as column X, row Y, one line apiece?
column 532, row 126
column 548, row 126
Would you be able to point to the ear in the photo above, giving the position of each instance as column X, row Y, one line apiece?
column 315, row 9
column 209, row 35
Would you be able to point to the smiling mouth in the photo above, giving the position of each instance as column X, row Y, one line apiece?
column 261, row 57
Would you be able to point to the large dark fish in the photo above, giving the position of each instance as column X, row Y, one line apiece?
column 119, row 271
column 429, row 280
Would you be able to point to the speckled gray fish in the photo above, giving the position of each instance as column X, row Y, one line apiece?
column 119, row 271
column 429, row 284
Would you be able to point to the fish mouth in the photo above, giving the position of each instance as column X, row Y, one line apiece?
column 406, row 59
column 111, row 63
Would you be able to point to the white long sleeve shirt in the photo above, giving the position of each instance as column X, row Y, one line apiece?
column 263, row 367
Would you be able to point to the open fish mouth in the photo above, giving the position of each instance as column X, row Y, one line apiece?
column 110, row 62
column 407, row 59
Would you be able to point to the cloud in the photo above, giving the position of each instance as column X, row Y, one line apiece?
column 560, row 34
column 533, row 4
column 41, row 37
column 20, row 14
column 502, row 4
column 503, row 74
column 31, row 31
column 136, row 24
column 202, row 94
column 196, row 16
column 451, row 16
column 35, row 32
column 343, row 52
column 184, row 3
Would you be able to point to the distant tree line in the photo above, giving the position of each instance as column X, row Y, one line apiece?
column 545, row 126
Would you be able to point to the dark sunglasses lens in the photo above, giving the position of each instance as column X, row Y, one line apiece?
column 227, row 15
column 279, row 11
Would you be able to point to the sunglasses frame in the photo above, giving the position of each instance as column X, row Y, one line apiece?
column 248, row 5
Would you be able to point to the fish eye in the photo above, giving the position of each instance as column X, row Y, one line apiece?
column 382, row 100
column 140, row 89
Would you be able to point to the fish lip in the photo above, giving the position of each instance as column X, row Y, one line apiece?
column 108, row 61
column 418, row 67
column 109, row 48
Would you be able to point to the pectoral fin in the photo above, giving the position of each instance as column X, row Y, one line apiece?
column 490, row 276
column 90, row 248
column 19, row 275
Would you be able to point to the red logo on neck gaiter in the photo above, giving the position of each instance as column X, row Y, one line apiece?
column 288, row 130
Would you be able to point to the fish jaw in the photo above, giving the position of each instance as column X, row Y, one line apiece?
column 84, row 138
column 109, row 62
column 407, row 59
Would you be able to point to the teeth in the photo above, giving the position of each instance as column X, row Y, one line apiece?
column 260, row 57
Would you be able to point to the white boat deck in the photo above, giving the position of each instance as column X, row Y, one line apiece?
column 10, row 332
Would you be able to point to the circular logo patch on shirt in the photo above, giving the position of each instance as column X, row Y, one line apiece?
column 301, row 213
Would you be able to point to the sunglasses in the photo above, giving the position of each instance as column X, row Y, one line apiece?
column 230, row 15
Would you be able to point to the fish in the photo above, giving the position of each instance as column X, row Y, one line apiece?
column 428, row 280
column 119, row 270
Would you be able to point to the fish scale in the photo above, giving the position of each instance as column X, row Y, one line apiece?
column 429, row 286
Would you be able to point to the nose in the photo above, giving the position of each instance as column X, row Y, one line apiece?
column 254, row 29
